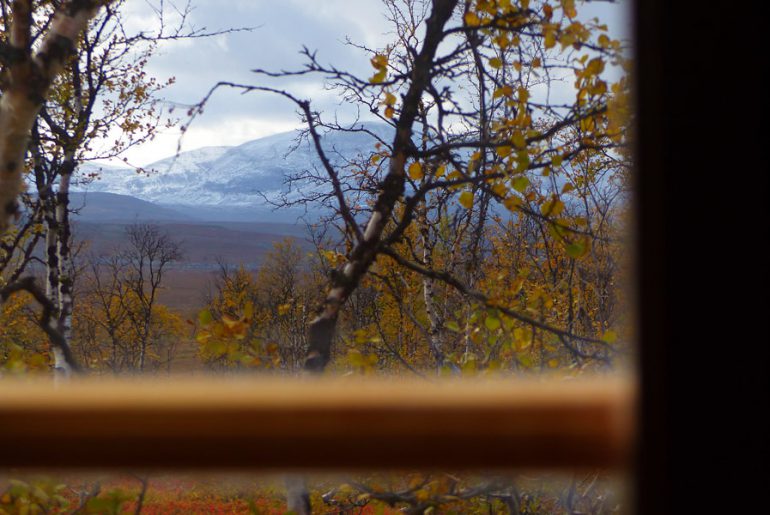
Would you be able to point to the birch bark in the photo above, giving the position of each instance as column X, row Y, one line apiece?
column 30, row 74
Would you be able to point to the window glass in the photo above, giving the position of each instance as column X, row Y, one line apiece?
column 391, row 493
column 403, row 188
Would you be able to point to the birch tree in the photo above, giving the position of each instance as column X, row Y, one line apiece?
column 29, row 70
column 102, row 87
column 101, row 103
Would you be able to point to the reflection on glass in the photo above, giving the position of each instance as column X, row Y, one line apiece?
column 410, row 492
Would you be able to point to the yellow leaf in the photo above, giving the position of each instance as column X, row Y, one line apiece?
column 379, row 61
column 566, row 40
column 466, row 199
column 553, row 207
column 503, row 91
column 229, row 321
column 595, row 66
column 518, row 140
column 472, row 20
column 569, row 8
column 441, row 171
column 512, row 203
column 361, row 336
column 504, row 151
column 379, row 76
column 283, row 309
column 415, row 171
column 499, row 189
column 550, row 39
column 495, row 62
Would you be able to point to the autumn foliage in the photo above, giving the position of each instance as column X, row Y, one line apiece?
column 485, row 235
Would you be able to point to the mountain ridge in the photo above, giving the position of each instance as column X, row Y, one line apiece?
column 231, row 179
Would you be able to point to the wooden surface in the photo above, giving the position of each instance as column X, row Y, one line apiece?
column 341, row 423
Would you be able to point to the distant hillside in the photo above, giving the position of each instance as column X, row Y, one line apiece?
column 233, row 183
column 203, row 244
column 105, row 207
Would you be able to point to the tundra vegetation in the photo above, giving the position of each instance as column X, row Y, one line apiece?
column 484, row 236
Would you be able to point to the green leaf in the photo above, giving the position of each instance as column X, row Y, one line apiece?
column 452, row 326
column 576, row 250
column 520, row 184
column 205, row 317
column 492, row 323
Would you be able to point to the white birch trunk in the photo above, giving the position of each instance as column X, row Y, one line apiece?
column 29, row 81
column 64, row 255
column 62, row 369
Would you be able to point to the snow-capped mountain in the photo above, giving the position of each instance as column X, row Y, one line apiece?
column 230, row 178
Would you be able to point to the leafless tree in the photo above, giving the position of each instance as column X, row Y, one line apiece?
column 122, row 289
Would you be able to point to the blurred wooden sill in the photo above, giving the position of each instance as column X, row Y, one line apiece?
column 340, row 423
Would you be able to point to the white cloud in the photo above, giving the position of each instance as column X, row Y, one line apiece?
column 281, row 29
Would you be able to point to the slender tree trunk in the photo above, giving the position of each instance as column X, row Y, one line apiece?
column 58, row 261
column 64, row 250
column 322, row 328
column 143, row 344
column 434, row 329
column 62, row 369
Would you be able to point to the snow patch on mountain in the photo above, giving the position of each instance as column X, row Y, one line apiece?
column 232, row 177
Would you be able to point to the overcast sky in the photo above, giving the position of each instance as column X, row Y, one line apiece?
column 281, row 28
